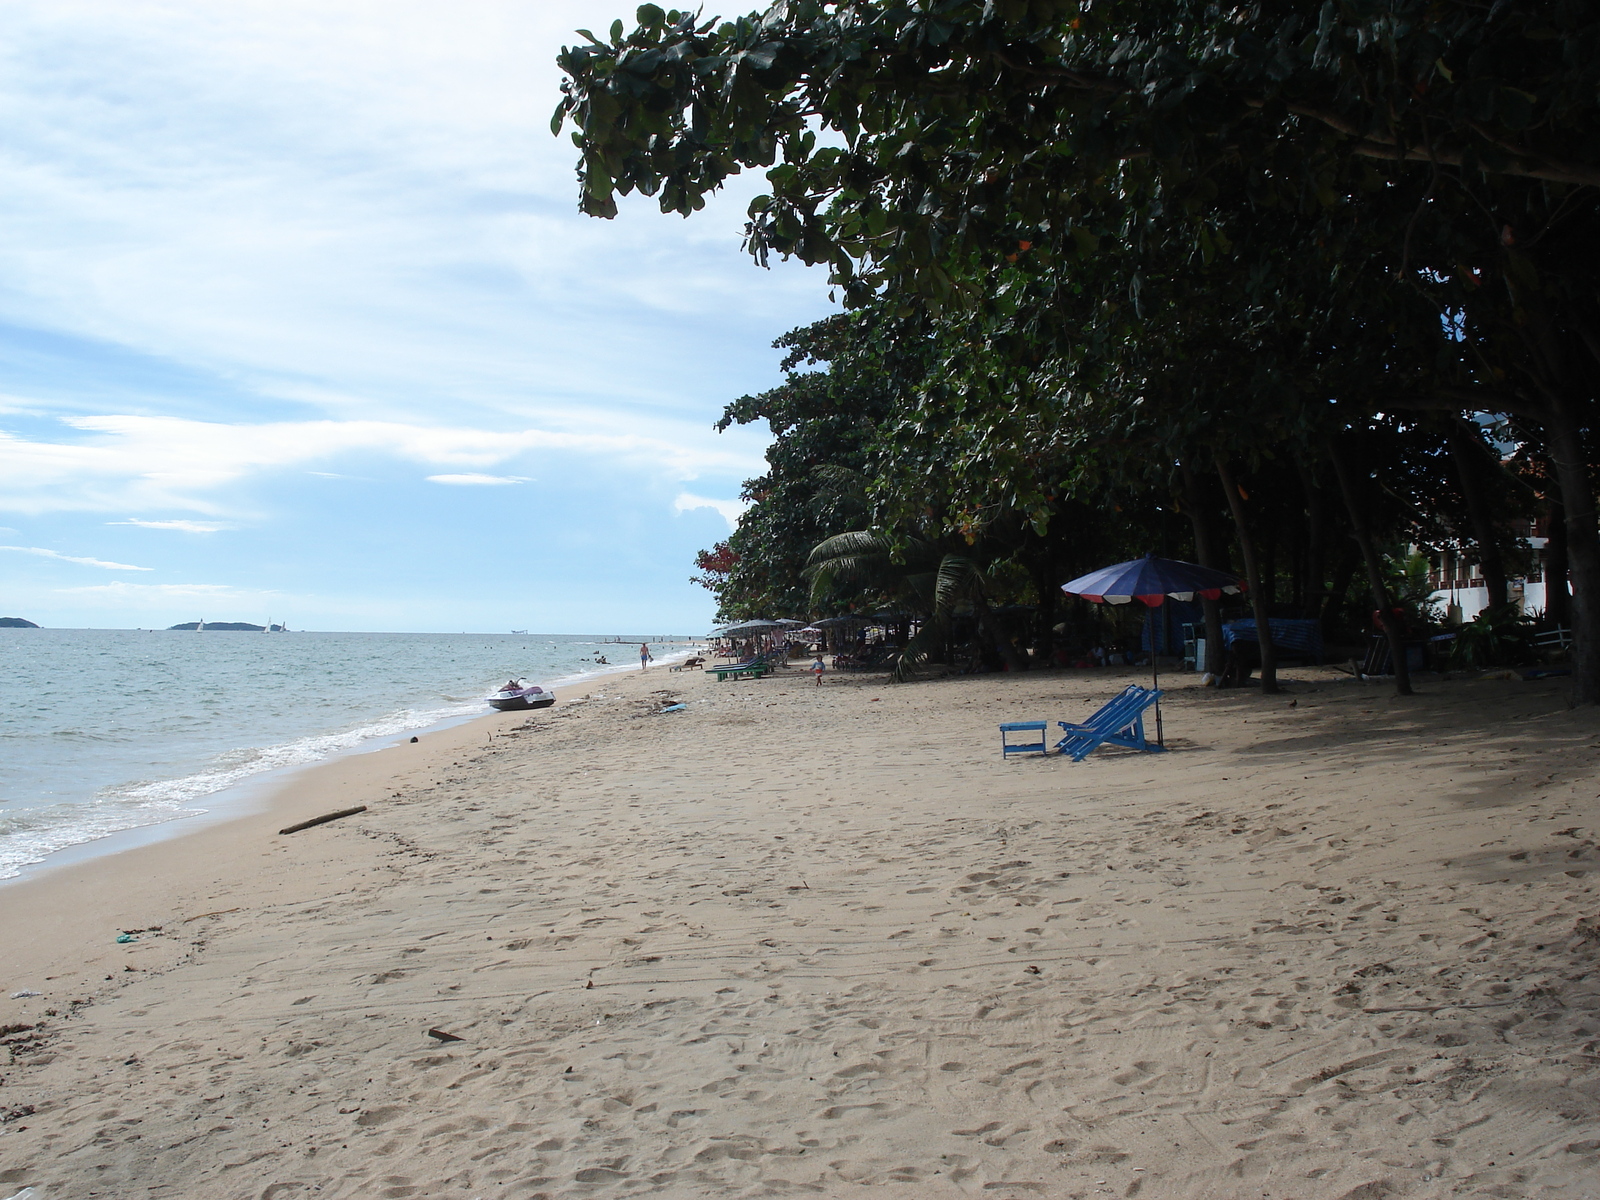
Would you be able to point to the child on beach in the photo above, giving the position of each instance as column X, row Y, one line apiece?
column 817, row 669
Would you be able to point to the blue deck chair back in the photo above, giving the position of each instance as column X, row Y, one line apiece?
column 1119, row 723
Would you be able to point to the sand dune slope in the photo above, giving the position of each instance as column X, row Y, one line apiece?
column 798, row 941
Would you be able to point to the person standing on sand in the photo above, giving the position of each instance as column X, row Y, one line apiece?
column 644, row 656
column 817, row 669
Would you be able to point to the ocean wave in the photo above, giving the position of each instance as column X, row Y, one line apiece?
column 30, row 835
column 239, row 765
column 184, row 722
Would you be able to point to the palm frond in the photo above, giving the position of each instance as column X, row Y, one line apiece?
column 959, row 579
column 853, row 542
column 916, row 651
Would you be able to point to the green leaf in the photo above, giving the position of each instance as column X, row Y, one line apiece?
column 1516, row 107
column 650, row 16
column 762, row 57
column 616, row 32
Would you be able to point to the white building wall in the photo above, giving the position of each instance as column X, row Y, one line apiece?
column 1463, row 604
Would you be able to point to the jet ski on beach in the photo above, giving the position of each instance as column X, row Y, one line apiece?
column 519, row 694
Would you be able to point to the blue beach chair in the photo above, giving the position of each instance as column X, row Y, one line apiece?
column 1118, row 723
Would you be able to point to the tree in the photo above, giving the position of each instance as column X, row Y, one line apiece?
column 715, row 565
column 824, row 419
column 1038, row 182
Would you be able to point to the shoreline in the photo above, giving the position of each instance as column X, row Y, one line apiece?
column 800, row 939
column 255, row 792
column 142, row 881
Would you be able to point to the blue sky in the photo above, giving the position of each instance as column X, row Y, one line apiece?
column 298, row 320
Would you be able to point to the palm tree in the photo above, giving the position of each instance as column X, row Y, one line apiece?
column 914, row 572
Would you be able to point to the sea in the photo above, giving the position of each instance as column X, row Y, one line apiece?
column 106, row 731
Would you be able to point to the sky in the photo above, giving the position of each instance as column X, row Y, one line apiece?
column 299, row 321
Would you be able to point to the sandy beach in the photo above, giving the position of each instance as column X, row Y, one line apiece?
column 825, row 941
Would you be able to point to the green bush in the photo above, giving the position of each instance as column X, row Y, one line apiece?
column 1501, row 636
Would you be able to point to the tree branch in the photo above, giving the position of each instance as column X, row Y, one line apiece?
column 1530, row 164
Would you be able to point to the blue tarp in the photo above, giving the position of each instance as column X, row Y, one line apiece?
column 1300, row 639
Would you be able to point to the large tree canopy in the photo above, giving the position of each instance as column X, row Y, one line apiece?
column 1140, row 240
column 965, row 123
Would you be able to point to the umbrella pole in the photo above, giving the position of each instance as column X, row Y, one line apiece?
column 1155, row 685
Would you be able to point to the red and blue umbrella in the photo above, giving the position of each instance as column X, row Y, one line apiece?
column 1151, row 580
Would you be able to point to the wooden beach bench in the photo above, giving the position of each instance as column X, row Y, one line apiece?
column 1119, row 723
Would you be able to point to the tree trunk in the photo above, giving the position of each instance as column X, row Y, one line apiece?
column 990, row 630
column 1316, row 553
column 1564, row 444
column 1343, row 573
column 1567, row 455
column 1205, row 548
column 1044, row 644
column 1467, row 451
column 1252, row 574
column 1297, row 564
column 1557, row 600
column 1380, row 592
column 1267, row 552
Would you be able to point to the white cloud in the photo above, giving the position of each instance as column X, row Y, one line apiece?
column 255, row 242
column 87, row 562
column 182, row 526
column 132, row 461
column 730, row 510
column 176, row 186
column 153, row 592
column 470, row 480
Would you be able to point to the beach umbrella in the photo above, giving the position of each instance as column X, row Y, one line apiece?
column 1151, row 581
column 745, row 628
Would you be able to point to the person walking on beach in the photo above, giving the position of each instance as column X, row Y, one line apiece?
column 644, row 656
column 817, row 669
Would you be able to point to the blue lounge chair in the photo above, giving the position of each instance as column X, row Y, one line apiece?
column 1119, row 723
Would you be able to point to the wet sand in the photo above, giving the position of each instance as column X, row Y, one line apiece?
column 825, row 941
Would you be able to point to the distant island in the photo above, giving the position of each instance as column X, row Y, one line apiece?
column 16, row 623
column 229, row 627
